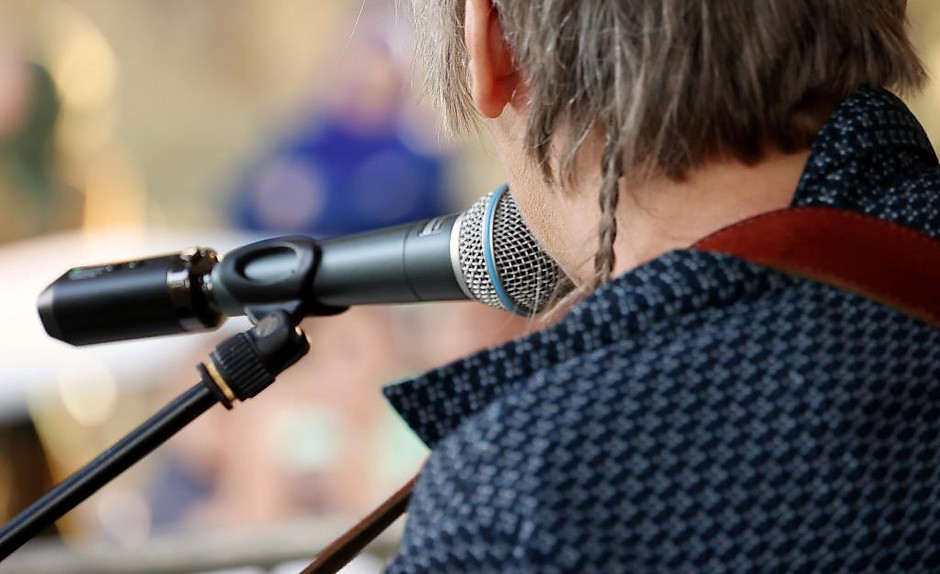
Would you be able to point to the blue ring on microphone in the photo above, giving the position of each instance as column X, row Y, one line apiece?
column 488, row 250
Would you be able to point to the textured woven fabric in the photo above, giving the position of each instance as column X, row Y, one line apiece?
column 701, row 414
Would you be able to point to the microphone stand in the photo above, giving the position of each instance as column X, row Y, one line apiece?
column 239, row 368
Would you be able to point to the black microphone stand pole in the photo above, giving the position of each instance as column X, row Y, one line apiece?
column 238, row 369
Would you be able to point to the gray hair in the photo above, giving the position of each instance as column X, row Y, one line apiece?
column 670, row 85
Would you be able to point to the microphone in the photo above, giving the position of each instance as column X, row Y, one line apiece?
column 486, row 253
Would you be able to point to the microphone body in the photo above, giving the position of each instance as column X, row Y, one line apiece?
column 486, row 253
column 403, row 264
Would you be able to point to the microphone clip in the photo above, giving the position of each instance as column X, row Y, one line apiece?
column 270, row 276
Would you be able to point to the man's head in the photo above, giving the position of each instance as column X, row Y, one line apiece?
column 600, row 95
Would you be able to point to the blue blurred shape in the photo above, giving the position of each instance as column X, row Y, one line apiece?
column 336, row 178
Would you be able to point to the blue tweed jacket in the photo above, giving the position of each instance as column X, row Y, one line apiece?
column 702, row 414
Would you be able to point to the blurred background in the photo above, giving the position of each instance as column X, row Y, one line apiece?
column 131, row 129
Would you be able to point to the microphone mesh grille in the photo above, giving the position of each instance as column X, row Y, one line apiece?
column 528, row 274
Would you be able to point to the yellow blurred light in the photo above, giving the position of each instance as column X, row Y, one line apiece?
column 88, row 390
column 115, row 194
column 83, row 136
column 82, row 61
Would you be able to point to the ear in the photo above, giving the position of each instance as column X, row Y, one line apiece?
column 494, row 79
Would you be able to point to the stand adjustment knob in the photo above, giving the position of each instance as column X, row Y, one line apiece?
column 249, row 362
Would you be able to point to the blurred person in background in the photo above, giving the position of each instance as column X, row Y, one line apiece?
column 360, row 162
column 28, row 112
column 32, row 200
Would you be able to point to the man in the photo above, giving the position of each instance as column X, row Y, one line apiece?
column 695, row 412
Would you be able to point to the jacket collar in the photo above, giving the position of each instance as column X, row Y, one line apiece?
column 871, row 128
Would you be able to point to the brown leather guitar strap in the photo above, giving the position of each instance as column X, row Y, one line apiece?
column 338, row 554
column 888, row 263
column 882, row 261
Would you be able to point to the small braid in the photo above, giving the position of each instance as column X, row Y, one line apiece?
column 609, row 198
